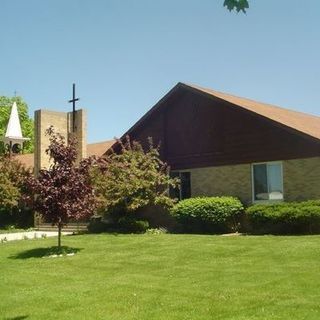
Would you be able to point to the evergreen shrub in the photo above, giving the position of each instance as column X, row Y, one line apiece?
column 208, row 214
column 284, row 218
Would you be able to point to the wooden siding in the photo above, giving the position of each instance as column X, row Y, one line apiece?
column 197, row 131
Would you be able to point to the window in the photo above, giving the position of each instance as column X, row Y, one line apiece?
column 267, row 181
column 184, row 191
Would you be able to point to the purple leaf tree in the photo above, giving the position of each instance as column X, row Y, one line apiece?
column 64, row 191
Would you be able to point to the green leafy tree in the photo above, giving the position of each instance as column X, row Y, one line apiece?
column 238, row 5
column 26, row 122
column 12, row 183
column 132, row 179
column 12, row 179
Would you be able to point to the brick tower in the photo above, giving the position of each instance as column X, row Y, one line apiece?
column 64, row 124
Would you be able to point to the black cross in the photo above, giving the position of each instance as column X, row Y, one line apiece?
column 73, row 100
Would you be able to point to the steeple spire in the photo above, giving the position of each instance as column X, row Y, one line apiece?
column 13, row 136
column 14, row 127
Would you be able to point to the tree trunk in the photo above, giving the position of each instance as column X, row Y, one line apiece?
column 59, row 236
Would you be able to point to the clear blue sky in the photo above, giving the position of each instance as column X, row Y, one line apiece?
column 125, row 55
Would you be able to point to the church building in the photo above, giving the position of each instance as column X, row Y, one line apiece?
column 218, row 144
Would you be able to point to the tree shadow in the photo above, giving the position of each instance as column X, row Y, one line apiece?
column 44, row 252
column 17, row 318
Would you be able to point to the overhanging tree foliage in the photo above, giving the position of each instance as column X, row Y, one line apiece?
column 238, row 5
column 26, row 122
column 133, row 179
column 64, row 191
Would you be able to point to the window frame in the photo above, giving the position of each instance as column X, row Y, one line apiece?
column 252, row 181
column 179, row 172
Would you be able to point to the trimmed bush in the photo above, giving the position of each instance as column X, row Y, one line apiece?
column 208, row 214
column 284, row 218
column 131, row 225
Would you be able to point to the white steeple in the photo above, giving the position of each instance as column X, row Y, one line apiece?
column 14, row 127
column 14, row 134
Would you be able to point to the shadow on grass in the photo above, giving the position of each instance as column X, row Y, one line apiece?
column 44, row 252
column 17, row 318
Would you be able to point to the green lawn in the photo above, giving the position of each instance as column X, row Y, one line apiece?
column 162, row 277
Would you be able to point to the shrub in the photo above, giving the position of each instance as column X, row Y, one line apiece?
column 284, row 218
column 96, row 225
column 124, row 224
column 131, row 225
column 18, row 217
column 208, row 214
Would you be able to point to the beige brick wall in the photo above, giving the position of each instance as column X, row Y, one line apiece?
column 43, row 120
column 301, row 180
column 62, row 122
column 80, row 131
column 222, row 181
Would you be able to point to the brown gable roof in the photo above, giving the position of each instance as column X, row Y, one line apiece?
column 299, row 122
column 305, row 123
column 98, row 149
column 93, row 149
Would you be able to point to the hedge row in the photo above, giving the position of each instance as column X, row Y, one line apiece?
column 284, row 218
column 227, row 214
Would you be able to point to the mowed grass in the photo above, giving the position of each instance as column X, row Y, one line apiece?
column 162, row 277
